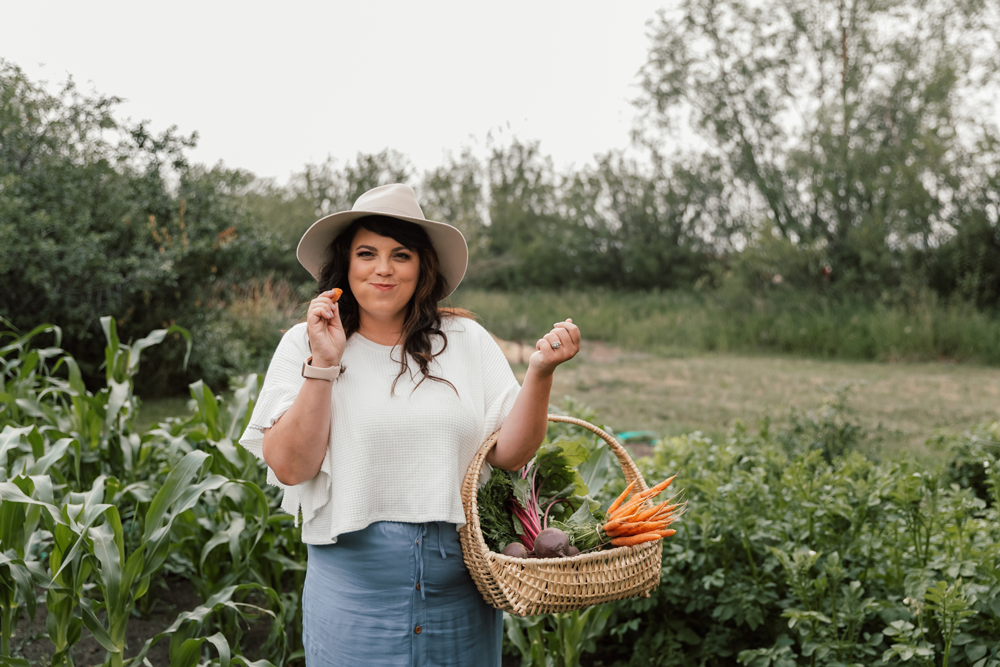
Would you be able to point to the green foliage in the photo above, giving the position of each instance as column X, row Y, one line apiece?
column 494, row 515
column 797, row 549
column 795, row 553
column 99, row 215
column 849, row 129
column 558, row 640
column 784, row 319
column 974, row 461
column 98, row 515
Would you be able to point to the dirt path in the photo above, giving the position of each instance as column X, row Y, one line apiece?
column 907, row 402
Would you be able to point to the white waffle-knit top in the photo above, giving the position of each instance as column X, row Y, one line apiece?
column 392, row 456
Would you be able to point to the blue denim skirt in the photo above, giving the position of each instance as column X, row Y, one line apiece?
column 396, row 594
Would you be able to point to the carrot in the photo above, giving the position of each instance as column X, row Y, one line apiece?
column 662, row 485
column 618, row 501
column 336, row 294
column 638, row 498
column 633, row 505
column 667, row 533
column 616, row 525
column 665, row 511
column 648, row 514
column 642, row 527
column 634, row 539
column 641, row 511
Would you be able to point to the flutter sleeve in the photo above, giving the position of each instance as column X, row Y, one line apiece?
column 281, row 386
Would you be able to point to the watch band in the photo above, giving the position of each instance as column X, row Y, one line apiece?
column 309, row 371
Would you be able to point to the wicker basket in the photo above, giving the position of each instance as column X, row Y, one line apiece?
column 541, row 586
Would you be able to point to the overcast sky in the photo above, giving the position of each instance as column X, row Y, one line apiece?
column 272, row 86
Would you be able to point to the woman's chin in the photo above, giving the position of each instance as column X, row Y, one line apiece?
column 383, row 308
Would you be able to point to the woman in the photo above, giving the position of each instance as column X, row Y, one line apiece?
column 369, row 416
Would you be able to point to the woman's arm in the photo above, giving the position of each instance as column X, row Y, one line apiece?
column 524, row 428
column 295, row 445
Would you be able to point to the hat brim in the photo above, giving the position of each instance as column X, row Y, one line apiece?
column 448, row 242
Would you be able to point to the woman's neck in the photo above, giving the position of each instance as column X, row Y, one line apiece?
column 381, row 331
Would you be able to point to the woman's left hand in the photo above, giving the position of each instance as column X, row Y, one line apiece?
column 559, row 345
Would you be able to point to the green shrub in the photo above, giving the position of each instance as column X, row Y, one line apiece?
column 793, row 553
column 98, row 215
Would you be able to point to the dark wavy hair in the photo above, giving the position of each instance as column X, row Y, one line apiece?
column 423, row 314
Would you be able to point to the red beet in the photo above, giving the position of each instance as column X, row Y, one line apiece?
column 551, row 543
column 515, row 550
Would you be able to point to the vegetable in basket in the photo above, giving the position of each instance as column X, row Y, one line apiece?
column 545, row 505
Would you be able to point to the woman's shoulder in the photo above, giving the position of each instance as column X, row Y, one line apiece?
column 462, row 326
column 295, row 339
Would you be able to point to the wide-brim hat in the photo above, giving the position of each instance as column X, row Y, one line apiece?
column 395, row 201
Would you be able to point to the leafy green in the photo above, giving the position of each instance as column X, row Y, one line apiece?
column 556, row 463
column 581, row 526
column 494, row 516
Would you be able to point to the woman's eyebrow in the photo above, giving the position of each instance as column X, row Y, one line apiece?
column 368, row 247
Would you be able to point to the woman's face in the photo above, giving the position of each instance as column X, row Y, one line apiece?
column 383, row 275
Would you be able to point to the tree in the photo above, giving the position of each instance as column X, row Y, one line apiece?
column 850, row 123
column 648, row 225
column 101, row 217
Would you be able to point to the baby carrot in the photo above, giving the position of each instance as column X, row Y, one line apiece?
column 336, row 294
column 618, row 501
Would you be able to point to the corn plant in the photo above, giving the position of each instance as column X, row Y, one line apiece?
column 93, row 511
column 558, row 640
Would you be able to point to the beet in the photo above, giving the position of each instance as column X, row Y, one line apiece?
column 551, row 543
column 572, row 551
column 515, row 550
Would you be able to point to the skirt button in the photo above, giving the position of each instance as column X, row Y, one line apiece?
column 417, row 630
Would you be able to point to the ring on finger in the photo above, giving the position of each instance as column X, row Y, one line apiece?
column 556, row 345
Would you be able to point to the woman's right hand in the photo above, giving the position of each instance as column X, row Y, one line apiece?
column 326, row 332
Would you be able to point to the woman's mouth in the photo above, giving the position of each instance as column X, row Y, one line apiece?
column 382, row 287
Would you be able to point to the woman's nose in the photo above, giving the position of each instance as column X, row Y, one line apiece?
column 384, row 267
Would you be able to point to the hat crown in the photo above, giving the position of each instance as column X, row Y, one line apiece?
column 394, row 199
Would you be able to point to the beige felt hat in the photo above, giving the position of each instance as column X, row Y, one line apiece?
column 396, row 201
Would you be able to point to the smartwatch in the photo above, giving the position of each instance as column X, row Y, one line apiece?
column 309, row 371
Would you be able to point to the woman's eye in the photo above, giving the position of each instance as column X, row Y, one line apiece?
column 403, row 255
column 364, row 253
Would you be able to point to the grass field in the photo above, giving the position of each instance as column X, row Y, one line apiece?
column 902, row 404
